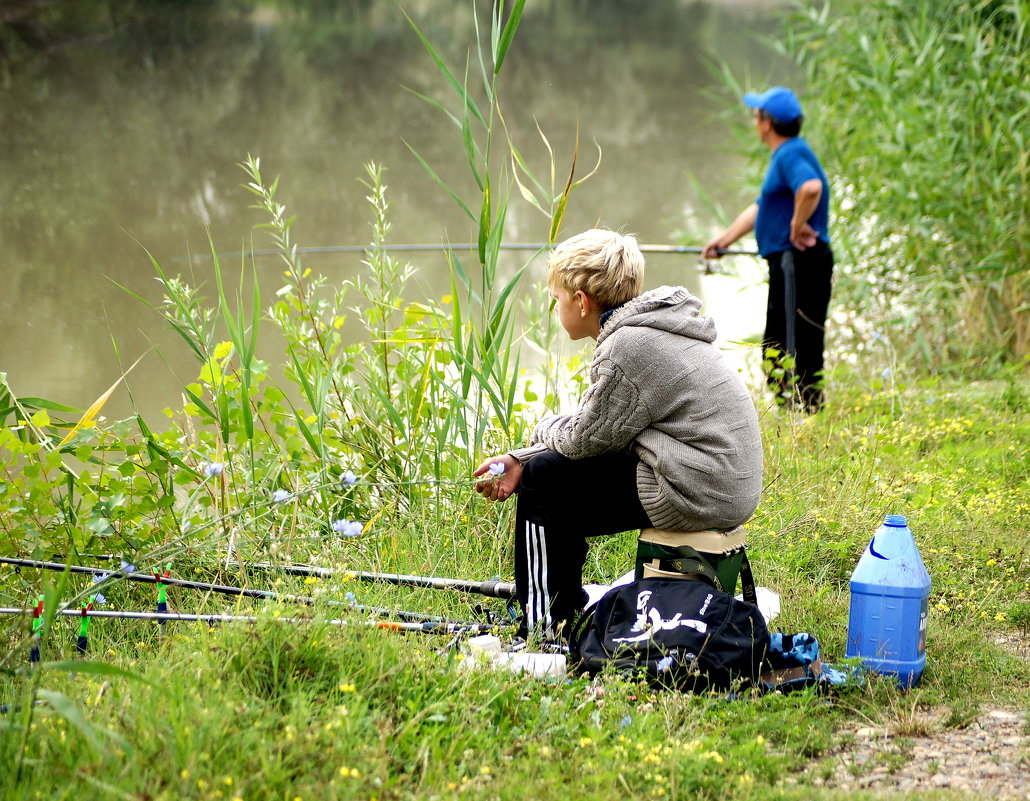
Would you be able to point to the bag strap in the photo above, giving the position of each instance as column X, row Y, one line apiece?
column 689, row 560
column 747, row 581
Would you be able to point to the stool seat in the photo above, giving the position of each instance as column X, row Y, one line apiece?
column 716, row 542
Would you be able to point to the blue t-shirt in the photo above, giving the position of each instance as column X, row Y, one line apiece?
column 792, row 164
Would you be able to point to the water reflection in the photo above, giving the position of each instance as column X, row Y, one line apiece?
column 133, row 143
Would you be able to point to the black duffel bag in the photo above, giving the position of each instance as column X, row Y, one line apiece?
column 681, row 633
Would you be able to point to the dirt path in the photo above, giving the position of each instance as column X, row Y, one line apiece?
column 988, row 757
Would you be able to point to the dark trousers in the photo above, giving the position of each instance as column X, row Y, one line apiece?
column 561, row 502
column 795, row 322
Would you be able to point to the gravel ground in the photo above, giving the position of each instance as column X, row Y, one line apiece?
column 989, row 757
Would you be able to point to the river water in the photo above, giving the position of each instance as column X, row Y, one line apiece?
column 131, row 142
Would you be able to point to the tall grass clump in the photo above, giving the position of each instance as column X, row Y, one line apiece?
column 920, row 109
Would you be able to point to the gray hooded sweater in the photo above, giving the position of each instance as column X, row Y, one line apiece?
column 658, row 384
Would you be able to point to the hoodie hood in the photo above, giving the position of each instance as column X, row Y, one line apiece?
column 667, row 308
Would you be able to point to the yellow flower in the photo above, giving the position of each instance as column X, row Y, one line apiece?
column 184, row 774
column 485, row 770
column 585, row 742
column 310, row 580
column 350, row 773
column 347, row 688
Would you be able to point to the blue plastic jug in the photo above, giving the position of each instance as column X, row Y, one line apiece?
column 890, row 595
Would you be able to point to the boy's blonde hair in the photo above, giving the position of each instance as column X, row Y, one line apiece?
column 607, row 265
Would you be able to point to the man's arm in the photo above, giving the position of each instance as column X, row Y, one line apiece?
column 744, row 224
column 806, row 198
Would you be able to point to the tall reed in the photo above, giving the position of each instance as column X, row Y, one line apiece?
column 920, row 109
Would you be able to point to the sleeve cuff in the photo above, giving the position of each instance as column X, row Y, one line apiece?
column 525, row 454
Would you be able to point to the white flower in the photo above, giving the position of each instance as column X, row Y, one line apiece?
column 214, row 469
column 348, row 528
column 280, row 495
column 664, row 664
column 497, row 469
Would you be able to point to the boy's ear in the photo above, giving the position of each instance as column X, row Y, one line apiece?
column 586, row 303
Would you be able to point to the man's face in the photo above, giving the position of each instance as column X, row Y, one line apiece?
column 762, row 123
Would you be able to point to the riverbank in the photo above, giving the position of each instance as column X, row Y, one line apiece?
column 308, row 711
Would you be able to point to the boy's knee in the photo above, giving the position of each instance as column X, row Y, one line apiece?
column 542, row 469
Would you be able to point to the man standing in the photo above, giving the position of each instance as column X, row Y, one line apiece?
column 791, row 224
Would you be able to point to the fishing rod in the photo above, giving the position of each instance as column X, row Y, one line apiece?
column 425, row 627
column 492, row 588
column 224, row 589
column 539, row 246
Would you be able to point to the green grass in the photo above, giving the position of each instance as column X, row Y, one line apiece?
column 313, row 711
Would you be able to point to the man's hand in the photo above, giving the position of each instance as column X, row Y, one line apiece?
column 498, row 484
column 714, row 249
column 803, row 236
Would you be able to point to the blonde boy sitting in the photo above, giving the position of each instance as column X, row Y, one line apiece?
column 665, row 436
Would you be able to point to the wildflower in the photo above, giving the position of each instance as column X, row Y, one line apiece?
column 350, row 773
column 280, row 495
column 664, row 664
column 625, row 721
column 99, row 599
column 496, row 469
column 348, row 479
column 350, row 597
column 348, row 528
column 213, row 469
column 127, row 567
column 887, row 372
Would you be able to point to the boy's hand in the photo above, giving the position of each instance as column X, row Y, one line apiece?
column 498, row 484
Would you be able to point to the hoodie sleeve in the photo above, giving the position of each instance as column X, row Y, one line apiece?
column 609, row 417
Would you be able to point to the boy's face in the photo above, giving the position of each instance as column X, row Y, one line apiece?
column 571, row 312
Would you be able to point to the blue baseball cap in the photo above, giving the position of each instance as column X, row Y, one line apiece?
column 780, row 103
